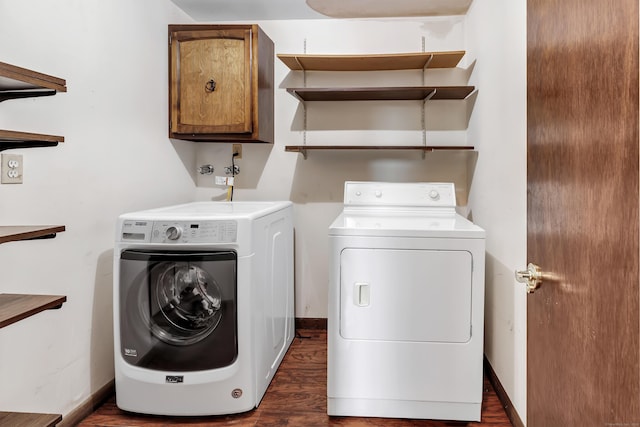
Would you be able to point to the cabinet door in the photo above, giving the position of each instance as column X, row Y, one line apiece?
column 210, row 82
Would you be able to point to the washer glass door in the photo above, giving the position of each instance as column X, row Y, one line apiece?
column 178, row 309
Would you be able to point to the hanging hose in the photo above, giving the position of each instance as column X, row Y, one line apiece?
column 233, row 177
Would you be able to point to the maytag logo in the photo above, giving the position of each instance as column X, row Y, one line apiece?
column 131, row 352
column 175, row 379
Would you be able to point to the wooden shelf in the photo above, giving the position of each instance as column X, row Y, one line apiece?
column 381, row 62
column 13, row 233
column 15, row 83
column 11, row 139
column 396, row 93
column 422, row 148
column 398, row 61
column 18, row 82
column 23, row 419
column 300, row 148
column 15, row 307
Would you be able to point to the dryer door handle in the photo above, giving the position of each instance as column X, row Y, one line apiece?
column 361, row 294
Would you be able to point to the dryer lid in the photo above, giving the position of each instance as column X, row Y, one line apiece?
column 424, row 198
column 423, row 209
column 402, row 225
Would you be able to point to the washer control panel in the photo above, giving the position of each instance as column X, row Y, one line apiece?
column 418, row 194
column 223, row 231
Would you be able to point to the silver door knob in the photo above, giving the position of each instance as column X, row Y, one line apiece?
column 532, row 277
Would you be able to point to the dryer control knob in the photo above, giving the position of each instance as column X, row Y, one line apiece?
column 434, row 195
column 173, row 233
column 378, row 193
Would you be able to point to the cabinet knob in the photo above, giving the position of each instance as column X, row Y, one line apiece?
column 210, row 86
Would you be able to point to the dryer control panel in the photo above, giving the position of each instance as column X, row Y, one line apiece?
column 223, row 231
column 407, row 194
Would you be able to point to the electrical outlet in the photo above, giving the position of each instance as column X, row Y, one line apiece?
column 11, row 169
column 237, row 148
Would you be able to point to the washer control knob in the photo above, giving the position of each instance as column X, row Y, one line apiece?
column 434, row 195
column 173, row 233
column 378, row 193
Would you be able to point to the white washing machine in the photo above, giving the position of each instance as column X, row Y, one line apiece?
column 203, row 306
column 406, row 304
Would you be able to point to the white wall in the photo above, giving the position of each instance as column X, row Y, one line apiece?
column 116, row 157
column 315, row 185
column 493, row 180
column 491, row 183
column 496, row 36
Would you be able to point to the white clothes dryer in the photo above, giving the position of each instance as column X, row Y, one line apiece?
column 406, row 304
column 203, row 306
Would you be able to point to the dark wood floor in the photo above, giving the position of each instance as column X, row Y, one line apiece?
column 297, row 396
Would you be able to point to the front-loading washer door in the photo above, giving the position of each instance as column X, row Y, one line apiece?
column 405, row 295
column 178, row 309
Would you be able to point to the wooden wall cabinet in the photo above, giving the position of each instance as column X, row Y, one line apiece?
column 221, row 83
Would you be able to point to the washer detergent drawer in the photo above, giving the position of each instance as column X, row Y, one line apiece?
column 405, row 295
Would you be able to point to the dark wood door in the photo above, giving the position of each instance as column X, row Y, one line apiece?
column 583, row 324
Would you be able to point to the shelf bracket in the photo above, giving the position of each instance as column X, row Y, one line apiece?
column 43, row 237
column 304, row 72
column 424, row 70
column 424, row 120
column 304, row 105
column 424, row 101
column 299, row 63
column 10, row 145
column 12, row 94
column 304, row 130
